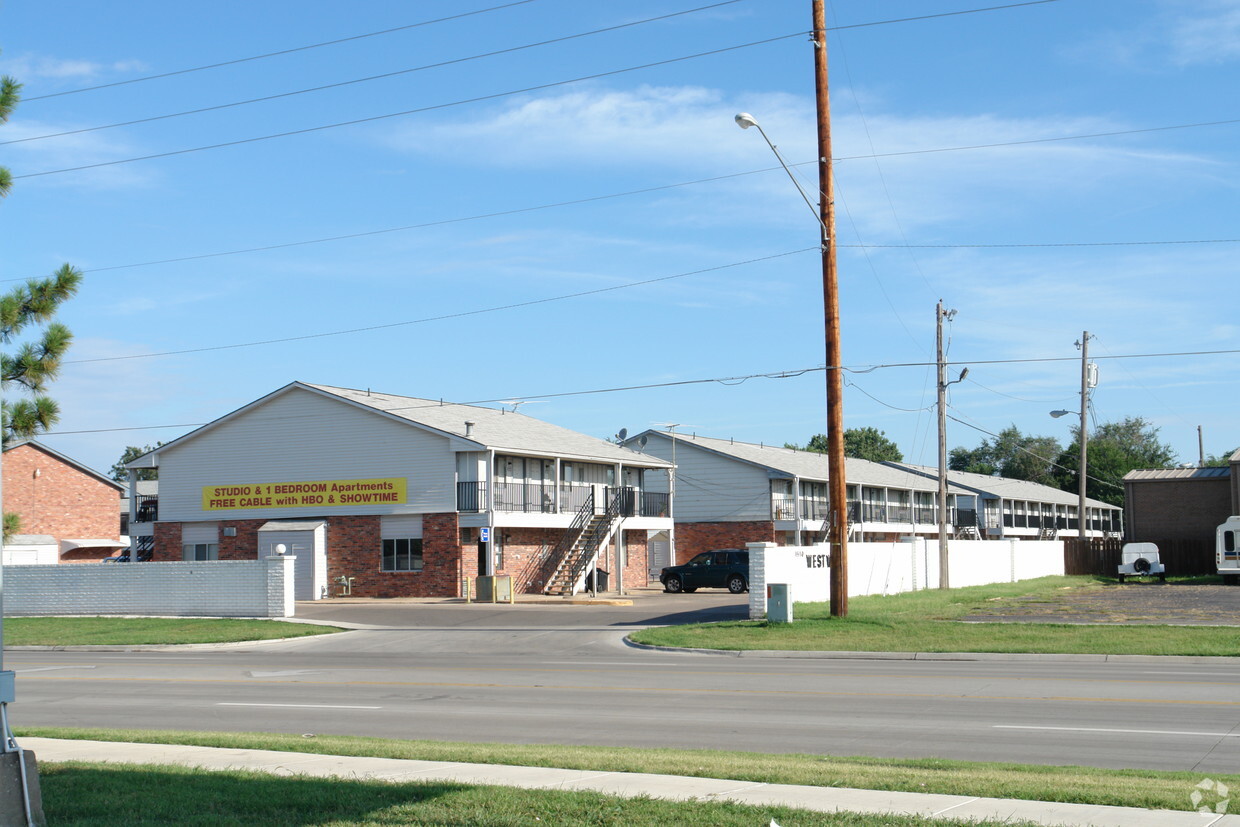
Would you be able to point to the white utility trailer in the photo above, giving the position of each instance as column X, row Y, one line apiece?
column 1227, row 550
column 1140, row 560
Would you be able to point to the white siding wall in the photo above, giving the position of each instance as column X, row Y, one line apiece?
column 301, row 436
column 710, row 487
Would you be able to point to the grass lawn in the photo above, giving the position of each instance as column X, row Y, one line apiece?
column 107, row 794
column 1081, row 785
column 928, row 621
column 130, row 631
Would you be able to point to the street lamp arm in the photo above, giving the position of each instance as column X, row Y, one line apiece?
column 744, row 120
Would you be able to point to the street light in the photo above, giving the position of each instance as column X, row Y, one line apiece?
column 825, row 216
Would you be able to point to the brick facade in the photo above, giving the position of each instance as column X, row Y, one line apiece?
column 55, row 497
column 1185, row 509
column 694, row 538
column 449, row 554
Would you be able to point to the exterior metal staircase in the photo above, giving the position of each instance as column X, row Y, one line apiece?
column 589, row 532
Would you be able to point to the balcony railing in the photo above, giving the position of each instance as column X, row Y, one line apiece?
column 783, row 507
column 148, row 510
column 815, row 509
column 655, row 505
column 925, row 514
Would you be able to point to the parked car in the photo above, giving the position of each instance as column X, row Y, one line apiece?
column 722, row 568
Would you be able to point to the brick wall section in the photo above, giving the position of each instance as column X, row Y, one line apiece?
column 62, row 500
column 207, row 589
column 167, row 542
column 637, row 571
column 694, row 538
column 245, row 545
column 527, row 557
column 1175, row 509
column 355, row 549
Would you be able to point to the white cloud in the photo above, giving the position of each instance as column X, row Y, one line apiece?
column 1210, row 34
column 31, row 69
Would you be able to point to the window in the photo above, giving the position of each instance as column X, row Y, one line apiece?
column 194, row 552
column 402, row 555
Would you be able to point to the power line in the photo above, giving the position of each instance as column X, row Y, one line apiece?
column 369, row 78
column 419, row 110
column 724, row 380
column 443, row 317
column 457, row 17
column 477, row 99
column 276, row 54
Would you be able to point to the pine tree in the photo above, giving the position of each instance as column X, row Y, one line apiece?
column 30, row 305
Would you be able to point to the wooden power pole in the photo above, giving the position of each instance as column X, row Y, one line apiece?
column 836, row 481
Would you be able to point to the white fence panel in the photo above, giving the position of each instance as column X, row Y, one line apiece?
column 892, row 568
column 217, row 588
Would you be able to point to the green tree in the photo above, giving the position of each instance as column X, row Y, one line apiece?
column 1113, row 449
column 1013, row 455
column 872, row 444
column 862, row 443
column 121, row 474
column 31, row 305
column 1223, row 459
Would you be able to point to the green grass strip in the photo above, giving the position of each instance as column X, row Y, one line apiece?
column 1079, row 785
column 929, row 621
column 88, row 794
column 135, row 631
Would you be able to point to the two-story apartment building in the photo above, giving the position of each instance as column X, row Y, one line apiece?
column 387, row 496
column 728, row 493
column 1001, row 508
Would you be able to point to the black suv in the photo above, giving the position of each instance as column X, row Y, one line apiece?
column 723, row 568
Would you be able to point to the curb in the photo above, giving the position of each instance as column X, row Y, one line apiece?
column 806, row 654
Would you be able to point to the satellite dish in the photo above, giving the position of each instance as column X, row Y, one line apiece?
column 623, row 435
column 642, row 442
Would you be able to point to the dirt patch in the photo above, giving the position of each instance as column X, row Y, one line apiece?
column 1133, row 602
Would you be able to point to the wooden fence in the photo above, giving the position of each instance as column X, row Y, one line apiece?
column 1102, row 556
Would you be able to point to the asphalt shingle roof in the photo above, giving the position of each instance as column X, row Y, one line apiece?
column 500, row 430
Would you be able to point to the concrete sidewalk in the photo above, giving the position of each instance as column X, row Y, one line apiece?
column 677, row 788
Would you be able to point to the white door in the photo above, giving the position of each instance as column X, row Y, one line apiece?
column 659, row 553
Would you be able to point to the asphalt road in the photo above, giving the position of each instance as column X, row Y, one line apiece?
column 562, row 674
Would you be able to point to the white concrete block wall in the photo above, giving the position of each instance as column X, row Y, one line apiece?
column 217, row 588
column 892, row 568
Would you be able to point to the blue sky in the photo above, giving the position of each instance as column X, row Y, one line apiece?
column 510, row 197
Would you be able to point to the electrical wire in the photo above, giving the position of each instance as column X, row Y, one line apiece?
column 416, row 111
column 275, row 54
column 461, row 314
column 397, row 73
column 784, row 374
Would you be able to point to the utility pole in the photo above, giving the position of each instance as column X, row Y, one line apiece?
column 1201, row 449
column 837, row 486
column 939, row 315
column 1080, row 508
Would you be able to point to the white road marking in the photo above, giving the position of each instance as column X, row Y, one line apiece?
column 282, row 674
column 49, row 668
column 1125, row 731
column 302, row 706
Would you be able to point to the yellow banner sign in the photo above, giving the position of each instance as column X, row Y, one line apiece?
column 329, row 493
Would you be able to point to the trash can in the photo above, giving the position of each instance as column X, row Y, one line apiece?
column 596, row 581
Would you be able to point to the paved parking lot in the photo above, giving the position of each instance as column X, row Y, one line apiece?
column 1136, row 601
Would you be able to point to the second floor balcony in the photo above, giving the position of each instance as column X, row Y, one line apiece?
column 548, row 498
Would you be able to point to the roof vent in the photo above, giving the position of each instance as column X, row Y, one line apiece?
column 469, row 427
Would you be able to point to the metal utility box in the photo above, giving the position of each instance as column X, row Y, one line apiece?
column 778, row 603
column 1227, row 550
column 1140, row 560
column 495, row 589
